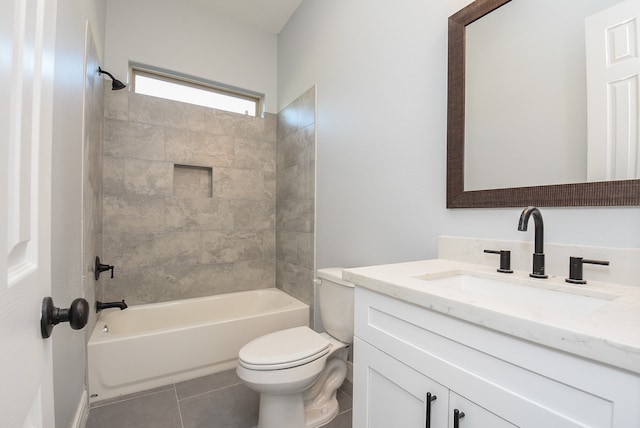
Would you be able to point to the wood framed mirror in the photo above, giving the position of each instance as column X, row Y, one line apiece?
column 624, row 192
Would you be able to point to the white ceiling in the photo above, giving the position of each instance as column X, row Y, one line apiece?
column 265, row 15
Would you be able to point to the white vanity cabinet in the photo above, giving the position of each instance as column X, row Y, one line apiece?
column 396, row 394
column 399, row 396
column 402, row 352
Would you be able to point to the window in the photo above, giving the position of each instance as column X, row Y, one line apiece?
column 165, row 85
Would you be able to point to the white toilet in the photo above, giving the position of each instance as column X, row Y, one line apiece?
column 298, row 371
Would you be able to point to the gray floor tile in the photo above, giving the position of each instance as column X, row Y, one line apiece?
column 131, row 396
column 347, row 388
column 216, row 401
column 343, row 420
column 202, row 385
column 157, row 410
column 344, row 401
column 232, row 407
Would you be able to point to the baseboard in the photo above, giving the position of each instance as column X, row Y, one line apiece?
column 350, row 371
column 82, row 413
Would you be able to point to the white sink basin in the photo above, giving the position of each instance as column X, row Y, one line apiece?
column 535, row 295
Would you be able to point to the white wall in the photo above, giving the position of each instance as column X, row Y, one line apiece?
column 69, row 355
column 380, row 69
column 188, row 39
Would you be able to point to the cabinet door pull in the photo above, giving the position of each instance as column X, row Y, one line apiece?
column 457, row 415
column 430, row 398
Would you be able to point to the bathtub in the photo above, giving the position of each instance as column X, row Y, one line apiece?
column 157, row 344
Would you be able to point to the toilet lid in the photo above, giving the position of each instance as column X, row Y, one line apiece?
column 283, row 349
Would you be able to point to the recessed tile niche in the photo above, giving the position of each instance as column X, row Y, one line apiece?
column 192, row 181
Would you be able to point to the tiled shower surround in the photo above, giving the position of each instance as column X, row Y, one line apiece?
column 295, row 205
column 190, row 201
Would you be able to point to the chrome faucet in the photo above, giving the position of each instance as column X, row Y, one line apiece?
column 538, row 254
column 100, row 306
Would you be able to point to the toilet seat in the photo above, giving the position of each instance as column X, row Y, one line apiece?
column 284, row 349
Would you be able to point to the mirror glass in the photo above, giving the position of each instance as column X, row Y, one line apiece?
column 535, row 110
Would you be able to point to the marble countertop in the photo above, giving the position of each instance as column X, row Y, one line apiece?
column 608, row 333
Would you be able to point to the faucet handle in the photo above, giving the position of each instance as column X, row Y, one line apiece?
column 101, row 267
column 505, row 260
column 575, row 269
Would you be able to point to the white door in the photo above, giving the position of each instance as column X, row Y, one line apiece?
column 613, row 97
column 27, row 35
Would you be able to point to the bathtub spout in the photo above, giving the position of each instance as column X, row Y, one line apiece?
column 100, row 306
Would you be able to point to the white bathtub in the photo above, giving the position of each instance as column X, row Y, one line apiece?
column 147, row 346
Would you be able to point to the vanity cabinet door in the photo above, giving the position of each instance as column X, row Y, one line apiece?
column 474, row 415
column 388, row 393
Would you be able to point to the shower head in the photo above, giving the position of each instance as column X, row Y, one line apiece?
column 115, row 84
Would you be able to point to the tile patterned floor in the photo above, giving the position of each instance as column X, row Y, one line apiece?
column 216, row 401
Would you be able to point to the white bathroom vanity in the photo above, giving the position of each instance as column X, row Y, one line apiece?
column 441, row 343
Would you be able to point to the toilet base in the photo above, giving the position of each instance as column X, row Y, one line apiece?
column 288, row 412
column 315, row 407
column 317, row 417
column 281, row 411
column 320, row 401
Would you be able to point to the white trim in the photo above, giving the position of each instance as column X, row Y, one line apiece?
column 82, row 413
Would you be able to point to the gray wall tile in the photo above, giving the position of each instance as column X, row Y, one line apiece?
column 163, row 249
column 270, row 187
column 306, row 104
column 296, row 281
column 287, row 246
column 295, row 198
column 148, row 178
column 92, row 193
column 139, row 285
column 132, row 215
column 225, row 247
column 192, row 181
column 113, row 176
column 188, row 214
column 255, row 155
column 260, row 273
column 287, row 121
column 296, row 182
column 116, row 103
column 167, row 113
column 199, row 148
column 254, row 215
column 297, row 147
column 133, row 140
column 295, row 215
column 232, row 183
column 235, row 125
column 175, row 229
column 305, row 250
column 270, row 127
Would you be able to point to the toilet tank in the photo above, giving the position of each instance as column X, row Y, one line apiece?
column 335, row 301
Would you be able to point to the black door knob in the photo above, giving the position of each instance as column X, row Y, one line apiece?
column 77, row 315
